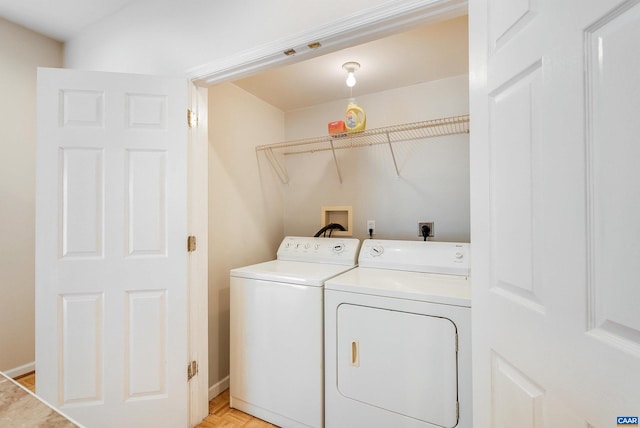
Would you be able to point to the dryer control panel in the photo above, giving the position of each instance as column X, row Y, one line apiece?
column 342, row 251
column 417, row 256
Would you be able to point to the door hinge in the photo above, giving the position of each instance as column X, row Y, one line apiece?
column 192, row 369
column 192, row 118
column 191, row 243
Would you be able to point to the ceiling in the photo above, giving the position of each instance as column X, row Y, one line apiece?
column 427, row 53
column 59, row 19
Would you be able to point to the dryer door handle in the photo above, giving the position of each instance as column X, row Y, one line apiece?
column 355, row 354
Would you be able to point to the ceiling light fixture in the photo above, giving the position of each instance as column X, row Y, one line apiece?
column 351, row 67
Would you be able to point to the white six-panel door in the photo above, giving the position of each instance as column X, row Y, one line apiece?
column 111, row 259
column 555, row 110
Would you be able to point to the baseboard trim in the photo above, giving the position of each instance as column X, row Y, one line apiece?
column 217, row 388
column 19, row 371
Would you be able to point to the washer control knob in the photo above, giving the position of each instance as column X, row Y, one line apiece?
column 376, row 250
column 287, row 245
column 316, row 246
column 338, row 248
column 306, row 246
column 459, row 255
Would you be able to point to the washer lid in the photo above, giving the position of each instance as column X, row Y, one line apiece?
column 302, row 273
column 426, row 287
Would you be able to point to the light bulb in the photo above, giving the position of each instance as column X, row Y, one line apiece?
column 351, row 79
column 351, row 67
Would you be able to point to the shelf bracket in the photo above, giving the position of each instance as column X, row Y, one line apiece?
column 393, row 155
column 277, row 166
column 335, row 160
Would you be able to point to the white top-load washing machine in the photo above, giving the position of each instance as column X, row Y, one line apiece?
column 277, row 330
column 398, row 338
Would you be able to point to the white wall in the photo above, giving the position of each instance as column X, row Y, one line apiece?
column 21, row 51
column 168, row 37
column 434, row 173
column 245, row 202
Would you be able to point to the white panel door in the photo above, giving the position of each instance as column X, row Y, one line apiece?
column 111, row 259
column 555, row 208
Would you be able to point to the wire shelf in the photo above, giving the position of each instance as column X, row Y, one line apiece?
column 387, row 135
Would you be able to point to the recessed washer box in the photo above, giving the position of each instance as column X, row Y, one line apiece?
column 338, row 214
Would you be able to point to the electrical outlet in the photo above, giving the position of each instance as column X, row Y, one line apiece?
column 427, row 223
column 371, row 225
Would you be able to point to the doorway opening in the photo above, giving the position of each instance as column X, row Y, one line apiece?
column 253, row 104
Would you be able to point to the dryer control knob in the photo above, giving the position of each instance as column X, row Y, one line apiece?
column 376, row 250
column 459, row 255
column 338, row 248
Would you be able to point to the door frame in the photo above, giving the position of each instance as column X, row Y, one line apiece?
column 197, row 269
column 371, row 24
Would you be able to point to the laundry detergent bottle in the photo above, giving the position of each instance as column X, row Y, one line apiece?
column 355, row 118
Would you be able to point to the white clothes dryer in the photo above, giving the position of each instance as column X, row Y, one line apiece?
column 276, row 358
column 398, row 338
